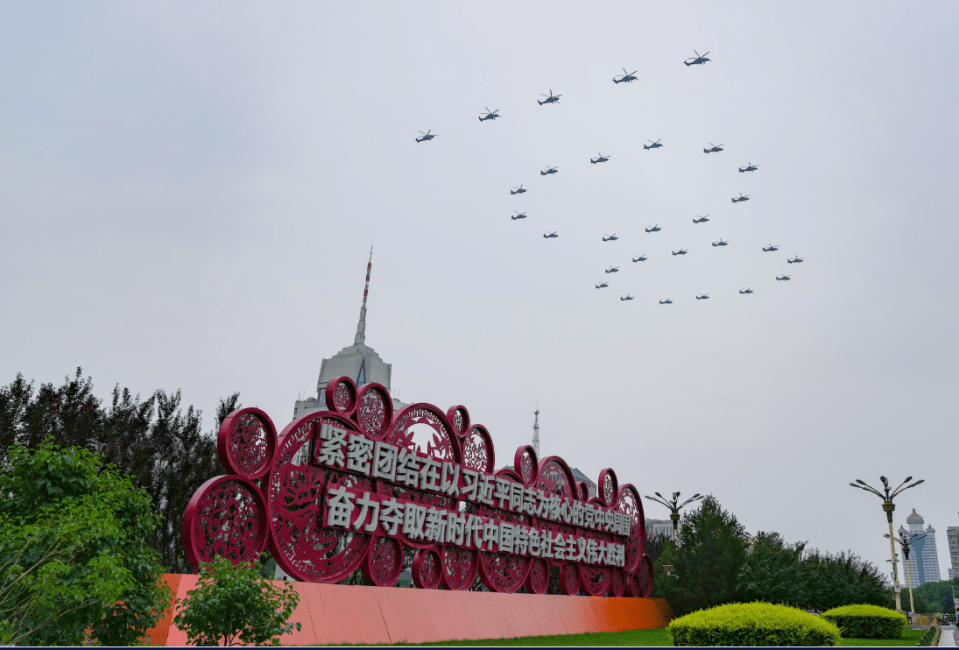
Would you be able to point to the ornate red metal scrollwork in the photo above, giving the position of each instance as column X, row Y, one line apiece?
column 349, row 489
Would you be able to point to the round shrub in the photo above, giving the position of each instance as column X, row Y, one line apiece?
column 867, row 621
column 752, row 624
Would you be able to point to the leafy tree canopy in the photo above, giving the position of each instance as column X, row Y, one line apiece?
column 72, row 552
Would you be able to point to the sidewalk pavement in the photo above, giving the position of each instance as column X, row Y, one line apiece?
column 948, row 635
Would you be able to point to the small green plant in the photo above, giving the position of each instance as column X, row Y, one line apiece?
column 867, row 621
column 234, row 605
column 752, row 624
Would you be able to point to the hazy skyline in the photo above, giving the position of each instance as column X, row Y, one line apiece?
column 189, row 194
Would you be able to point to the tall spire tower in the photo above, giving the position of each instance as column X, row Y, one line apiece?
column 361, row 326
column 536, row 432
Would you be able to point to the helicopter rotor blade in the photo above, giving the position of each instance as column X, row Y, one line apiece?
column 705, row 54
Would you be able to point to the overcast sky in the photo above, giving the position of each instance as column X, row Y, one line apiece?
column 188, row 195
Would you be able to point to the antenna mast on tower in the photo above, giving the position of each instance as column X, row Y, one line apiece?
column 361, row 326
column 536, row 433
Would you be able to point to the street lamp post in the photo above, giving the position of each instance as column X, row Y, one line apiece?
column 888, row 507
column 674, row 507
column 905, row 542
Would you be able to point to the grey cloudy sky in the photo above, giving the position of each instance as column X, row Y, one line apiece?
column 188, row 194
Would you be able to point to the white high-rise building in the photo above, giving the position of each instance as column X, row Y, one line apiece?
column 923, row 563
column 952, row 539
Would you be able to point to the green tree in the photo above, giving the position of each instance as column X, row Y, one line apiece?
column 773, row 572
column 234, row 605
column 708, row 559
column 837, row 579
column 72, row 551
column 934, row 597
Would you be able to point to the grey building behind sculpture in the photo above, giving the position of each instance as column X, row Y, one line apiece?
column 358, row 361
column 952, row 540
column 662, row 527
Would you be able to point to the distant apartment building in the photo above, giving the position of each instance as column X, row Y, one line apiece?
column 923, row 565
column 952, row 539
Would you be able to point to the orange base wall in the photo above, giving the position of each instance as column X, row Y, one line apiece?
column 331, row 614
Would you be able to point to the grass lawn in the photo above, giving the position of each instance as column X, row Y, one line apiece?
column 909, row 638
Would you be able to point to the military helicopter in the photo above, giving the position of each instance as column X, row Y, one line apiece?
column 699, row 59
column 518, row 215
column 551, row 235
column 490, row 115
column 550, row 99
column 517, row 190
column 601, row 158
column 627, row 77
column 654, row 145
column 771, row 248
column 798, row 260
column 666, row 302
column 655, row 228
column 705, row 296
column 701, row 219
column 720, row 242
column 746, row 291
column 783, row 277
column 612, row 237
column 714, row 148
column 741, row 198
column 613, row 269
column 641, row 258
column 627, row 297
column 427, row 136
column 748, row 168
column 602, row 285
column 681, row 251
column 549, row 170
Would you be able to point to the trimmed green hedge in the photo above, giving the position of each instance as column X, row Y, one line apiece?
column 867, row 621
column 752, row 624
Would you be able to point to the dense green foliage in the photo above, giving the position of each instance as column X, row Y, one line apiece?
column 234, row 604
column 928, row 638
column 933, row 597
column 72, row 552
column 773, row 572
column 162, row 448
column 707, row 561
column 867, row 621
column 752, row 624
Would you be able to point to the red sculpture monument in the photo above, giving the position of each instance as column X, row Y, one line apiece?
column 348, row 489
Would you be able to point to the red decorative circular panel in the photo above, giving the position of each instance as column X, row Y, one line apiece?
column 246, row 443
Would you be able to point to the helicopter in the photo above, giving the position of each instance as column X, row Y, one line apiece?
column 549, row 170
column 714, row 148
column 741, row 198
column 701, row 219
column 699, row 59
column 602, row 285
column 705, row 296
column 427, row 136
column 681, row 251
column 627, row 77
column 490, row 115
column 627, row 297
column 654, row 145
column 655, row 228
column 517, row 190
column 771, row 248
column 746, row 291
column 641, row 258
column 601, row 158
column 550, row 99
column 551, row 235
column 795, row 261
column 612, row 237
column 783, row 277
column 518, row 215
column 613, row 269
column 666, row 302
column 720, row 242
column 748, row 168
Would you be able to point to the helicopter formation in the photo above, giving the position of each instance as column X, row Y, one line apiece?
column 629, row 77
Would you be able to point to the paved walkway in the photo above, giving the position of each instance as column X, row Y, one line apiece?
column 948, row 635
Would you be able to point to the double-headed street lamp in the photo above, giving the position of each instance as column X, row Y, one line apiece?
column 674, row 507
column 888, row 507
column 904, row 541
